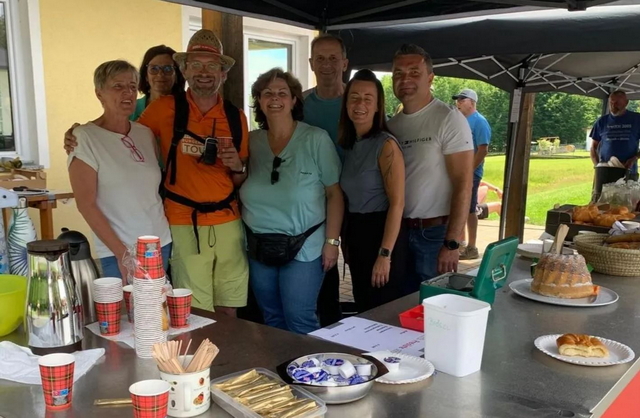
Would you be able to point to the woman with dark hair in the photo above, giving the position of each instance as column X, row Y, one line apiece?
column 292, row 205
column 373, row 183
column 159, row 76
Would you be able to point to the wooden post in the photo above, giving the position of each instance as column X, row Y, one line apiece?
column 228, row 28
column 518, row 170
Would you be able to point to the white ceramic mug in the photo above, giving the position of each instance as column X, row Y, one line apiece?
column 190, row 393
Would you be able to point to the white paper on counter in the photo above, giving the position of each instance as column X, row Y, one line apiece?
column 19, row 364
column 126, row 329
column 373, row 336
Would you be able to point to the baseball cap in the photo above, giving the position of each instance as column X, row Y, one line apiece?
column 466, row 94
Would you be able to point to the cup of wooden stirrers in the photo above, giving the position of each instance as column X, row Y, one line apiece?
column 170, row 360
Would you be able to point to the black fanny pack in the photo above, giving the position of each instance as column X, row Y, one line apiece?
column 276, row 250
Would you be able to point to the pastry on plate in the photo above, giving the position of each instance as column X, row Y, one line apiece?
column 581, row 345
column 563, row 276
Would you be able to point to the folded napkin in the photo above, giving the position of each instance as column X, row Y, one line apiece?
column 19, row 364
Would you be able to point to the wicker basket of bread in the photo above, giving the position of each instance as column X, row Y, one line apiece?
column 616, row 255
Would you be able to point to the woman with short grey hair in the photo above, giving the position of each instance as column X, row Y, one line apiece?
column 114, row 172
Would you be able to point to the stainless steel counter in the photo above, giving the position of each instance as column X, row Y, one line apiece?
column 515, row 381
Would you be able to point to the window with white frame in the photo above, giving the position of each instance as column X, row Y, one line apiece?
column 266, row 45
column 23, row 123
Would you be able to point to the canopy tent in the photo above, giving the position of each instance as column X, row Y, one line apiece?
column 589, row 53
column 339, row 14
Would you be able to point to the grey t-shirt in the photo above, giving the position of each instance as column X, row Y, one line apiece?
column 361, row 178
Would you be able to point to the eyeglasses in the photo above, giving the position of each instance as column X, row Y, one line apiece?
column 156, row 69
column 199, row 66
column 275, row 175
column 135, row 152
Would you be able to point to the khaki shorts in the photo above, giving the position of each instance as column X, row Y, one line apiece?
column 219, row 275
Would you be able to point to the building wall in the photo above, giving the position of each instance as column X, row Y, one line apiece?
column 77, row 36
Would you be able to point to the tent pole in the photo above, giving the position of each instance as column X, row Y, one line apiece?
column 516, row 173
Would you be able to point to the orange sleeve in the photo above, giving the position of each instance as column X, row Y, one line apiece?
column 244, row 145
column 152, row 116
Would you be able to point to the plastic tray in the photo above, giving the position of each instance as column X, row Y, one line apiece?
column 237, row 410
column 413, row 318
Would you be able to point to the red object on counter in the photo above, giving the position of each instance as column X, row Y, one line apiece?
column 413, row 318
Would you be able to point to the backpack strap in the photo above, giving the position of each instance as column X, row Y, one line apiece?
column 235, row 123
column 180, row 122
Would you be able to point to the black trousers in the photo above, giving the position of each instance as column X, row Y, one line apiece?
column 329, row 298
column 364, row 238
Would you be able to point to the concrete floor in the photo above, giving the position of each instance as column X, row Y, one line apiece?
column 487, row 233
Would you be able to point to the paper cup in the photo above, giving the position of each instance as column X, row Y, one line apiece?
column 108, row 317
column 179, row 307
column 107, row 290
column 224, row 143
column 127, row 292
column 150, row 398
column 149, row 256
column 56, row 371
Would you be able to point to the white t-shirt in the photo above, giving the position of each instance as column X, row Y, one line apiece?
column 426, row 137
column 127, row 187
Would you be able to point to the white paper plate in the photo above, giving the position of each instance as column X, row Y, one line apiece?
column 618, row 353
column 605, row 296
column 533, row 249
column 412, row 369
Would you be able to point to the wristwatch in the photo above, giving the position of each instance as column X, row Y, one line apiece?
column 334, row 242
column 384, row 252
column 244, row 169
column 451, row 244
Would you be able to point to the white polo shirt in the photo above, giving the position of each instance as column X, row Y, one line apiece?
column 426, row 136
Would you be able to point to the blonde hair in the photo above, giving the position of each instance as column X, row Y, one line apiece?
column 110, row 69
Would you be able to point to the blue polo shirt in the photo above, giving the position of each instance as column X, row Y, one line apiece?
column 481, row 132
column 617, row 136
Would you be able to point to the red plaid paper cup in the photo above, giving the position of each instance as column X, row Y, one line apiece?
column 179, row 302
column 149, row 256
column 127, row 291
column 150, row 398
column 224, row 143
column 108, row 317
column 56, row 371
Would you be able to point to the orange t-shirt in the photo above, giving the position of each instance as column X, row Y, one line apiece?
column 196, row 181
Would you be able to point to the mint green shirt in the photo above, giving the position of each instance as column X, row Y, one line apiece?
column 141, row 105
column 298, row 200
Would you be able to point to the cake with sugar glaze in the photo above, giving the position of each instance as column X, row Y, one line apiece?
column 563, row 276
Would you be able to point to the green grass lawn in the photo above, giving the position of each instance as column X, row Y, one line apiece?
column 552, row 180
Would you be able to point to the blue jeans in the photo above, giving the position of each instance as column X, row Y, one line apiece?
column 425, row 245
column 110, row 264
column 287, row 295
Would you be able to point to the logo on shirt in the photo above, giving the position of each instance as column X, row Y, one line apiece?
column 411, row 142
column 191, row 146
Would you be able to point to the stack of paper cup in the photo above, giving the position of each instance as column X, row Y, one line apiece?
column 151, row 323
column 149, row 256
column 107, row 299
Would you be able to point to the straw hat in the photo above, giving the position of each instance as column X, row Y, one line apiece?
column 205, row 41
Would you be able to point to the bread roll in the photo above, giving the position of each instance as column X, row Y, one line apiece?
column 581, row 345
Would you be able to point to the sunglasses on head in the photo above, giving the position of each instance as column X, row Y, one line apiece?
column 157, row 69
column 275, row 175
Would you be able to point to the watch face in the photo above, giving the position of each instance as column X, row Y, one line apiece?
column 451, row 244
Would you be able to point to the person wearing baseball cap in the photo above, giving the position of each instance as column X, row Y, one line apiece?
column 466, row 102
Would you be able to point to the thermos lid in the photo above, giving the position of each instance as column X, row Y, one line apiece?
column 47, row 246
column 79, row 248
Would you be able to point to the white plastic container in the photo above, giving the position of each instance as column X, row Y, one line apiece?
column 454, row 331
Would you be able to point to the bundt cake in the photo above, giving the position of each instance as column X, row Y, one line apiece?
column 563, row 276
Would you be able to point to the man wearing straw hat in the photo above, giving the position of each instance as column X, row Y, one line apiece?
column 204, row 146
